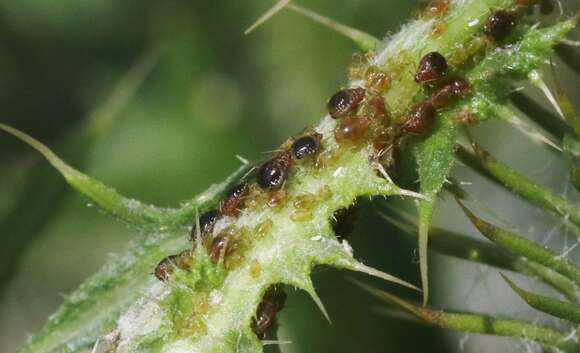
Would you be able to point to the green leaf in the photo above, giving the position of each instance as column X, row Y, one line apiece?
column 482, row 324
column 524, row 247
column 434, row 158
column 548, row 305
column 460, row 246
column 518, row 183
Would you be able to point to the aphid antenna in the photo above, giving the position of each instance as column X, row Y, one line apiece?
column 267, row 15
column 248, row 173
column 363, row 40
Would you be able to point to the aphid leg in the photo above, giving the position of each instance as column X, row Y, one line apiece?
column 378, row 166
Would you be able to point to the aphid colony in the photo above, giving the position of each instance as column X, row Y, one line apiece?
column 360, row 113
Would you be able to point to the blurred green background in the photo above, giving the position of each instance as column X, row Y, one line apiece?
column 212, row 94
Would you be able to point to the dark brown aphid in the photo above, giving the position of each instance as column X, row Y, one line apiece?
column 234, row 200
column 206, row 223
column 448, row 93
column 420, row 119
column 268, row 308
column 432, row 67
column 351, row 130
column 343, row 221
column 273, row 173
column 500, row 25
column 345, row 101
column 168, row 265
column 306, row 146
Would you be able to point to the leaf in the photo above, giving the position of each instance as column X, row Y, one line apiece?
column 548, row 305
column 434, row 158
column 95, row 306
column 524, row 247
column 518, row 183
column 478, row 323
column 43, row 191
column 460, row 246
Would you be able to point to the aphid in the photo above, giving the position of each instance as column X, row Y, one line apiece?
column 268, row 308
column 217, row 246
column 345, row 101
column 234, row 200
column 351, row 129
column 432, row 67
column 273, row 173
column 448, row 93
column 420, row 119
column 306, row 146
column 206, row 223
column 436, row 8
column 168, row 265
column 438, row 27
column 343, row 221
column 276, row 198
column 499, row 25
column 377, row 108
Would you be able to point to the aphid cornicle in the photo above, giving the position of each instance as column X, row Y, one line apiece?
column 351, row 130
column 168, row 265
column 306, row 146
column 272, row 302
column 499, row 25
column 432, row 66
column 234, row 200
column 206, row 223
column 345, row 101
column 272, row 174
column 420, row 119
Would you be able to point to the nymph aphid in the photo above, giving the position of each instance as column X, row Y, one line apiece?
column 272, row 174
column 268, row 308
column 420, row 119
column 377, row 108
column 306, row 146
column 448, row 93
column 345, row 101
column 432, row 66
column 436, row 8
column 351, row 130
column 206, row 223
column 168, row 265
column 500, row 25
column 234, row 200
